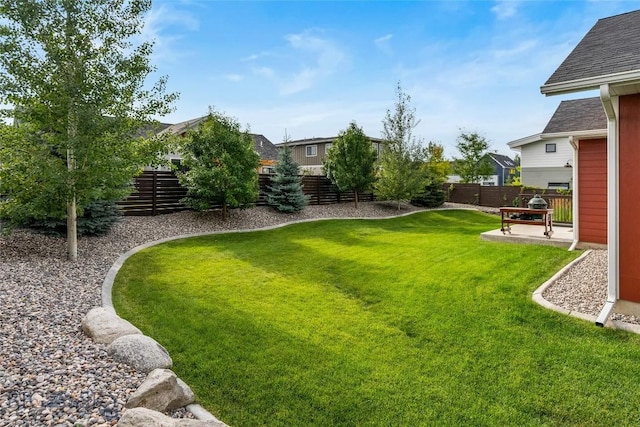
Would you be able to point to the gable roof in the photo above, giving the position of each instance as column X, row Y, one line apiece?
column 577, row 115
column 502, row 160
column 264, row 147
column 610, row 49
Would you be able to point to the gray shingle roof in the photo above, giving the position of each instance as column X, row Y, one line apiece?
column 502, row 160
column 577, row 115
column 265, row 148
column 611, row 46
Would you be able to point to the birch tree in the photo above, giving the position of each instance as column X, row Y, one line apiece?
column 77, row 85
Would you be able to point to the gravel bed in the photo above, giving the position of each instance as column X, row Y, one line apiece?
column 51, row 374
column 584, row 288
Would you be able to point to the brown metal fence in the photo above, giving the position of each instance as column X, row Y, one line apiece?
column 160, row 192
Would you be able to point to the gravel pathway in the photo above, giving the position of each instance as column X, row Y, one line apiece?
column 52, row 375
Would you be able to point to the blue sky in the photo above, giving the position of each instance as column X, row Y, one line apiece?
column 311, row 67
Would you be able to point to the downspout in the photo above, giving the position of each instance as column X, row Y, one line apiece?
column 613, row 291
column 574, row 192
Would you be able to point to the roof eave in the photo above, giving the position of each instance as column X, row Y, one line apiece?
column 591, row 83
column 580, row 134
column 524, row 141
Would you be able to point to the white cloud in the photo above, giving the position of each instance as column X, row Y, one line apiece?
column 308, row 58
column 264, row 71
column 504, row 9
column 234, row 77
column 384, row 43
column 163, row 26
column 320, row 58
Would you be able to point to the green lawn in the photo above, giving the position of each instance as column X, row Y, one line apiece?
column 411, row 321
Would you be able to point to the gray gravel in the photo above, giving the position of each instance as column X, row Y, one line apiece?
column 584, row 288
column 52, row 375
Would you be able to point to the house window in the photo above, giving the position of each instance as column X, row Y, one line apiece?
column 327, row 146
column 312, row 150
column 558, row 186
column 550, row 148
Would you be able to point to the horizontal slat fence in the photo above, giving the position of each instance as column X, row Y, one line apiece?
column 155, row 193
column 498, row 196
column 160, row 192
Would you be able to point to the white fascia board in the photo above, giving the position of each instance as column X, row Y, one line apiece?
column 524, row 141
column 580, row 134
column 591, row 83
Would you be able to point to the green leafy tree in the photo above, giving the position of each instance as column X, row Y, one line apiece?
column 221, row 165
column 350, row 161
column 473, row 164
column 436, row 165
column 77, row 85
column 286, row 191
column 401, row 174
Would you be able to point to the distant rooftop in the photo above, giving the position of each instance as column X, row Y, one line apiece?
column 577, row 115
column 315, row 140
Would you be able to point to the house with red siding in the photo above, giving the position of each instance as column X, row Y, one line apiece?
column 607, row 59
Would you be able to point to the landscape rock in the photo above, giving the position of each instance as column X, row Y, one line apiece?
column 161, row 391
column 140, row 352
column 103, row 325
column 143, row 417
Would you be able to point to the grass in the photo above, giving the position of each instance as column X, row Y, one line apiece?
column 412, row 321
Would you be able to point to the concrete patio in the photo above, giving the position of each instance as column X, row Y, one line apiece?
column 532, row 234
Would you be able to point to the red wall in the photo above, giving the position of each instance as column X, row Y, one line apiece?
column 629, row 222
column 592, row 190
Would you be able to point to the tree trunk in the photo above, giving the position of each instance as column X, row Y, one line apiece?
column 72, row 133
column 72, row 231
column 356, row 198
column 72, row 228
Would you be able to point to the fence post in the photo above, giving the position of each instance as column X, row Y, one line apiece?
column 154, row 186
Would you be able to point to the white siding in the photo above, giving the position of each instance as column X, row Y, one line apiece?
column 534, row 155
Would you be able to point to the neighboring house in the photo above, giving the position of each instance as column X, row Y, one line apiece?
column 607, row 170
column 310, row 153
column 266, row 149
column 547, row 158
column 504, row 169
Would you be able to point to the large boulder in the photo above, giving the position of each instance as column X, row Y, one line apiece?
column 141, row 352
column 161, row 391
column 103, row 325
column 143, row 417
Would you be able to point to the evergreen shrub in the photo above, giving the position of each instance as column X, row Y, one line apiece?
column 432, row 196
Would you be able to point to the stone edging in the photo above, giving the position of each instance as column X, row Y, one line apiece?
column 538, row 298
column 107, row 285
